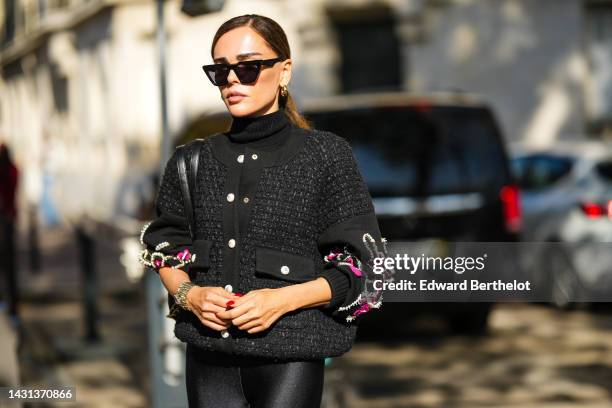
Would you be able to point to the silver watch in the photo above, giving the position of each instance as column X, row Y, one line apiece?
column 181, row 294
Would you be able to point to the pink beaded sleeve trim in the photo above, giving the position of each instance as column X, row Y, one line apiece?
column 369, row 298
column 157, row 259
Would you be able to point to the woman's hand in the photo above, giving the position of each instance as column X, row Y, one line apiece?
column 257, row 310
column 206, row 301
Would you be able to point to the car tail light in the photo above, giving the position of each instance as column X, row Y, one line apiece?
column 594, row 210
column 512, row 207
column 422, row 105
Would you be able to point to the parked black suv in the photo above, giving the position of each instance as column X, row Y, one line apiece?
column 437, row 169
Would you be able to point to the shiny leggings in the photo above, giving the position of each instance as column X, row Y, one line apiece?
column 220, row 380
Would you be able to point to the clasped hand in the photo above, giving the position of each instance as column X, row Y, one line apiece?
column 254, row 311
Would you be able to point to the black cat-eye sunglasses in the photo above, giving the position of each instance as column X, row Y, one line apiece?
column 246, row 71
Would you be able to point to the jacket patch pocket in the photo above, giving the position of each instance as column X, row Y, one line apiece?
column 284, row 265
column 201, row 249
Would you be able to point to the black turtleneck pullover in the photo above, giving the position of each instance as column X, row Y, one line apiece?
column 265, row 132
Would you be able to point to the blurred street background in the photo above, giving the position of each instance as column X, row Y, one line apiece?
column 472, row 120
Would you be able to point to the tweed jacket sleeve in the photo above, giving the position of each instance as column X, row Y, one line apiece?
column 351, row 238
column 166, row 238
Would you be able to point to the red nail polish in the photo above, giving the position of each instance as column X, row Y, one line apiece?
column 238, row 294
column 229, row 303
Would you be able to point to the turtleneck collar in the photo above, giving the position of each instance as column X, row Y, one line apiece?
column 251, row 128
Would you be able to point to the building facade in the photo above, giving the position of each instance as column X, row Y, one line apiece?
column 80, row 88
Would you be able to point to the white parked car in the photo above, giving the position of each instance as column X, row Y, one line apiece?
column 566, row 198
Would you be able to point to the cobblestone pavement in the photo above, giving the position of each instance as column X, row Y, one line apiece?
column 534, row 356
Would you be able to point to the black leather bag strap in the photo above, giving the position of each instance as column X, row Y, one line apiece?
column 187, row 179
column 195, row 157
column 184, row 183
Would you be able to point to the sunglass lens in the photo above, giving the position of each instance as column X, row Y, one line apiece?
column 247, row 73
column 217, row 75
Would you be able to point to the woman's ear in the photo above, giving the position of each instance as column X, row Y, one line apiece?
column 286, row 73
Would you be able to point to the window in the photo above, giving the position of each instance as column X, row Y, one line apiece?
column 404, row 152
column 59, row 86
column 370, row 51
column 599, row 52
column 604, row 170
column 540, row 171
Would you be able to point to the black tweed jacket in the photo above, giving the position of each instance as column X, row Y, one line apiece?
column 297, row 203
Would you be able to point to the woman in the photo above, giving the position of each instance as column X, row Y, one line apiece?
column 280, row 270
column 9, row 180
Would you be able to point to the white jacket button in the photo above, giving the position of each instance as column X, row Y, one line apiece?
column 284, row 269
column 240, row 158
column 231, row 243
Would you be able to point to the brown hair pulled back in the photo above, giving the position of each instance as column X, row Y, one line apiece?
column 275, row 36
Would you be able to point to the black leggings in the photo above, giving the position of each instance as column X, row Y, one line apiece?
column 221, row 380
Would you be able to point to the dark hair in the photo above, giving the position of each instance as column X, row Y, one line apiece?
column 274, row 35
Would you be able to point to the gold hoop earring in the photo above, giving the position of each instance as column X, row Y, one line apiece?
column 284, row 91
